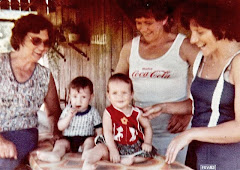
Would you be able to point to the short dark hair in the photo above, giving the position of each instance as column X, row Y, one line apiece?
column 120, row 77
column 158, row 9
column 81, row 83
column 30, row 23
column 222, row 17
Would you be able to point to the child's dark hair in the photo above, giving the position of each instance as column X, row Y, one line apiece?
column 81, row 83
column 120, row 77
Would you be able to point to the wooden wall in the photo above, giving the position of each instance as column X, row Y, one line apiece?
column 108, row 29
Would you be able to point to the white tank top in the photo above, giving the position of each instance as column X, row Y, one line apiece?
column 163, row 79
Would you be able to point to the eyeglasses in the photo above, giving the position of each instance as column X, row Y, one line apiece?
column 38, row 41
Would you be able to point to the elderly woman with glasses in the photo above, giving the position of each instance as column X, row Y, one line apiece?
column 25, row 86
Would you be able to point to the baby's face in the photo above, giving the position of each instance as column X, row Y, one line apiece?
column 120, row 94
column 80, row 99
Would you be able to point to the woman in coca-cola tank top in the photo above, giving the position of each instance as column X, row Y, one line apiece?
column 158, row 62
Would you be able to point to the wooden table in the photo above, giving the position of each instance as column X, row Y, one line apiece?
column 72, row 161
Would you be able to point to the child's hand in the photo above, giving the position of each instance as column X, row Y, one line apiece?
column 146, row 147
column 114, row 156
column 72, row 112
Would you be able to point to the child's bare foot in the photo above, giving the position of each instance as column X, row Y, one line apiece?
column 88, row 166
column 48, row 156
column 95, row 154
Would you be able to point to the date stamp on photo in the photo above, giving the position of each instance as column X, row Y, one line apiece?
column 207, row 167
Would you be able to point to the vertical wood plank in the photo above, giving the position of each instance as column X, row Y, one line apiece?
column 76, row 64
column 106, row 29
column 98, row 50
column 116, row 27
column 65, row 72
column 108, row 47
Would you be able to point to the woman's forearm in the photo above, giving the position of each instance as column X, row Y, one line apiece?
column 180, row 108
column 227, row 132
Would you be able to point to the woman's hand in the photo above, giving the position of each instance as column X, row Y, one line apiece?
column 178, row 143
column 154, row 110
column 7, row 149
column 146, row 147
column 178, row 123
column 114, row 155
column 181, row 114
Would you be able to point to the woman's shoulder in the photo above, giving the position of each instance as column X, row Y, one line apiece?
column 188, row 51
column 186, row 45
column 236, row 62
column 43, row 70
column 42, row 74
column 127, row 46
column 235, row 69
column 42, row 67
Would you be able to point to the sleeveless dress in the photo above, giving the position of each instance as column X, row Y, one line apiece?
column 19, row 103
column 213, row 105
column 127, row 132
column 159, row 80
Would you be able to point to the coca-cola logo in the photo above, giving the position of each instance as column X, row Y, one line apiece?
column 151, row 74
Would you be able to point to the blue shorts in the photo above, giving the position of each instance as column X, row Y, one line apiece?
column 25, row 140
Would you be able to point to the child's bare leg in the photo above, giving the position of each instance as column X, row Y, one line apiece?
column 100, row 151
column 88, row 144
column 60, row 148
column 129, row 160
column 138, row 159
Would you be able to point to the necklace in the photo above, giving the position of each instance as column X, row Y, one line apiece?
column 204, row 64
